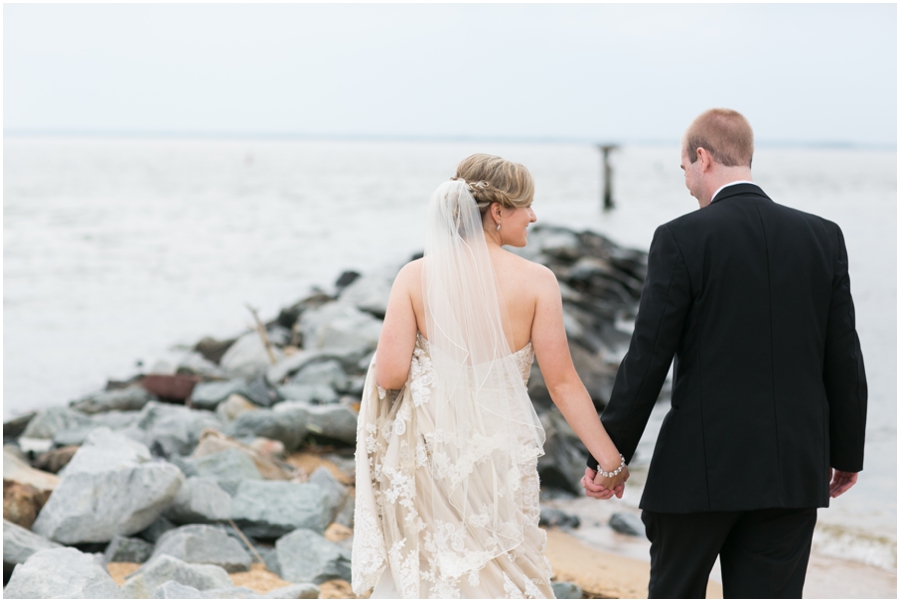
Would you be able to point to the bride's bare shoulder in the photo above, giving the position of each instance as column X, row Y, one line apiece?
column 413, row 268
column 410, row 275
column 532, row 268
column 532, row 275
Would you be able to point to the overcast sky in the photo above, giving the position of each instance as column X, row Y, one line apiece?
column 808, row 73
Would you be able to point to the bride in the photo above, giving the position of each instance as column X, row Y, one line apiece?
column 448, row 440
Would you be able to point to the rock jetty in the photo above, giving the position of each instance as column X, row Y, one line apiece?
column 231, row 475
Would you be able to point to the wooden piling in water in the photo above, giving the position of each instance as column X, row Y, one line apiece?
column 607, row 175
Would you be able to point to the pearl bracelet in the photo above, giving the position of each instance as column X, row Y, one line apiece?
column 615, row 472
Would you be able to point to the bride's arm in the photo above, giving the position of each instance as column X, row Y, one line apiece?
column 548, row 336
column 398, row 333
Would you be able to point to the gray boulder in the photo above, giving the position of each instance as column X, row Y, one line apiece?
column 562, row 465
column 129, row 398
column 627, row 524
column 20, row 543
column 110, row 487
column 156, row 529
column 369, row 293
column 206, row 396
column 565, row 590
column 184, row 465
column 366, row 362
column 172, row 590
column 305, row 556
column 61, row 573
column 228, row 468
column 204, row 544
column 200, row 500
column 597, row 373
column 328, row 373
column 311, row 394
column 554, row 241
column 176, row 429
column 356, row 385
column 294, row 591
column 116, row 419
column 270, row 509
column 342, row 328
column 47, row 422
column 248, row 357
column 554, row 517
column 298, row 361
column 76, row 435
column 73, row 436
column 259, row 392
column 337, row 493
column 143, row 582
column 346, row 512
column 287, row 427
column 105, row 450
column 290, row 364
column 127, row 549
column 335, row 422
column 195, row 363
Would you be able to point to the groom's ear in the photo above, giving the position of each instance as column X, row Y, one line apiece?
column 705, row 158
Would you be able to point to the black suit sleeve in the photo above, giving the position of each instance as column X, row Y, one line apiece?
column 665, row 301
column 844, row 373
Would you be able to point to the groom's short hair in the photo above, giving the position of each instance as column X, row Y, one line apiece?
column 724, row 133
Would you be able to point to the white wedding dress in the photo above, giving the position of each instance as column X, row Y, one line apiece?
column 446, row 467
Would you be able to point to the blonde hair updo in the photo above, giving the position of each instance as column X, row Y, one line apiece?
column 495, row 180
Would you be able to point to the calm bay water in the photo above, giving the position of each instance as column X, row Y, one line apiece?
column 117, row 249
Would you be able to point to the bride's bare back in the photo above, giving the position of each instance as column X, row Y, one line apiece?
column 519, row 281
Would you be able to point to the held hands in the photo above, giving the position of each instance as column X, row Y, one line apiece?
column 602, row 488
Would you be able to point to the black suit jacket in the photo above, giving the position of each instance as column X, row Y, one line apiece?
column 752, row 299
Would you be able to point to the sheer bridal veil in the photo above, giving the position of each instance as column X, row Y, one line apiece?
column 486, row 432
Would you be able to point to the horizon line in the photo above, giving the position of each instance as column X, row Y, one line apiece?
column 325, row 137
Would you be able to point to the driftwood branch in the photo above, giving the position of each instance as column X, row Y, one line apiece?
column 261, row 330
column 247, row 541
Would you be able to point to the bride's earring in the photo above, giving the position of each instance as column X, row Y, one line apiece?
column 498, row 227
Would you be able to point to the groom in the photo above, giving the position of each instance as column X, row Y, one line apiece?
column 752, row 299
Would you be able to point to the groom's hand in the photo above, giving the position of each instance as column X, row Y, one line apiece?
column 593, row 490
column 841, row 481
column 597, row 491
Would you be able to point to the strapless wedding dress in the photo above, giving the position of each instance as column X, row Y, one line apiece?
column 412, row 537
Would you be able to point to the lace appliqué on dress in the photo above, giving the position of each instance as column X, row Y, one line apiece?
column 402, row 482
column 421, row 374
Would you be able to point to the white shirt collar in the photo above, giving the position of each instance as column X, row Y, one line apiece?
column 713, row 197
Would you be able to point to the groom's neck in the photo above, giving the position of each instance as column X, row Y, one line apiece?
column 720, row 175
